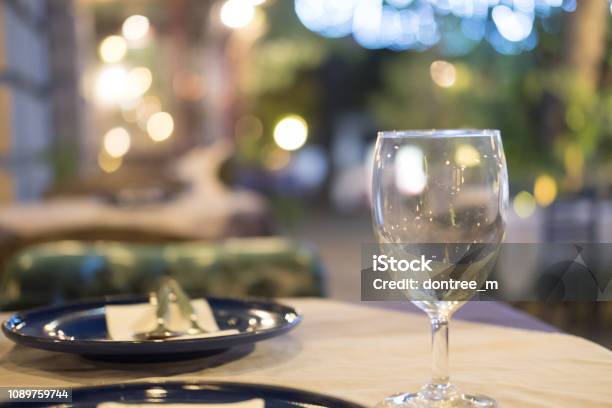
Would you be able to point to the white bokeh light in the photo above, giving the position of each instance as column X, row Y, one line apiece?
column 420, row 24
column 160, row 126
column 399, row 3
column 512, row 25
column 367, row 21
column 410, row 177
column 139, row 81
column 237, row 13
column 135, row 27
column 112, row 49
column 291, row 132
column 110, row 85
column 526, row 6
column 117, row 142
column 328, row 18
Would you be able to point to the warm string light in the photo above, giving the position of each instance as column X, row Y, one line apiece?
column 117, row 86
column 110, row 85
column 135, row 27
column 112, row 49
column 139, row 81
column 125, row 88
column 160, row 126
column 443, row 73
column 117, row 142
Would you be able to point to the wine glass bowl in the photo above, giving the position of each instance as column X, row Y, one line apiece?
column 441, row 191
column 439, row 186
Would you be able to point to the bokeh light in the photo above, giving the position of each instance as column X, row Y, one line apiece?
column 513, row 25
column 237, row 13
column 108, row 163
column 443, row 73
column 545, row 190
column 112, row 49
column 329, row 18
column 399, row 3
column 135, row 27
column 524, row 204
column 508, row 25
column 117, row 142
column 291, row 132
column 139, row 81
column 110, row 85
column 467, row 156
column 160, row 126
column 410, row 177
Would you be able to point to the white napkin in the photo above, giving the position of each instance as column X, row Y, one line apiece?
column 124, row 321
column 254, row 403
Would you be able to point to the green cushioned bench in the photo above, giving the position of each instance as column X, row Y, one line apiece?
column 68, row 270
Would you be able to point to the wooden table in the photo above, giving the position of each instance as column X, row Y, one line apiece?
column 364, row 353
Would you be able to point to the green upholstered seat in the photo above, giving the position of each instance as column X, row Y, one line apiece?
column 69, row 270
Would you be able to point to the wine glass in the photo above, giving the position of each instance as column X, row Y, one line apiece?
column 446, row 188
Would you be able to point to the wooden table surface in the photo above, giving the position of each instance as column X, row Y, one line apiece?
column 362, row 354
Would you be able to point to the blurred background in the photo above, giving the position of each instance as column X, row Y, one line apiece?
column 154, row 121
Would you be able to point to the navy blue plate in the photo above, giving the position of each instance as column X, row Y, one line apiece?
column 80, row 328
column 201, row 393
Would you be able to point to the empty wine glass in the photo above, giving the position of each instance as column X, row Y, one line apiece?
column 441, row 187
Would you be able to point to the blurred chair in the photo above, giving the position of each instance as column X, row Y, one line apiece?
column 185, row 201
column 56, row 272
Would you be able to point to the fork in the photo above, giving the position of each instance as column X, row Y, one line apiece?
column 184, row 303
column 161, row 332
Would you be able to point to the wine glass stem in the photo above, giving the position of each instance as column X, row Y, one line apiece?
column 439, row 347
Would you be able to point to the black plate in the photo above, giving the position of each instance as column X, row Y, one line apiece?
column 201, row 393
column 80, row 328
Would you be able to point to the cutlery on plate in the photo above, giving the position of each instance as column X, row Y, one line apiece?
column 161, row 301
column 184, row 303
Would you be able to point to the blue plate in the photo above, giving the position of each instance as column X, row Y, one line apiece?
column 80, row 328
column 201, row 393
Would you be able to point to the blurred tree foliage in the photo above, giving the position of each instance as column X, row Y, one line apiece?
column 553, row 117
column 489, row 92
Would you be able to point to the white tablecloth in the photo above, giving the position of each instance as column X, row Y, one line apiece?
column 362, row 354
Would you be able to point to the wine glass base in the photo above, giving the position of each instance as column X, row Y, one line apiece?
column 418, row 400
